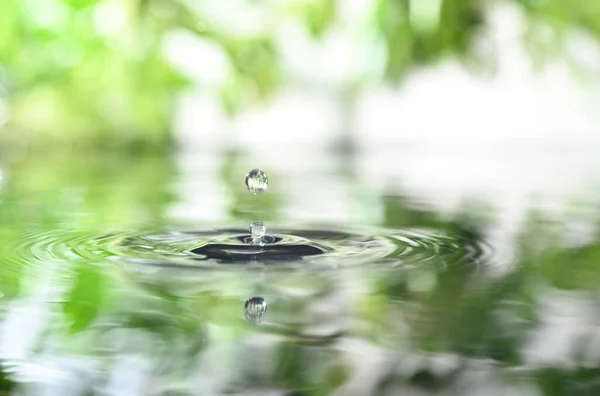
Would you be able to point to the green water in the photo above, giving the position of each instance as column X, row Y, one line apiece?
column 86, row 311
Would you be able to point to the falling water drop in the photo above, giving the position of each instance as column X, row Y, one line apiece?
column 254, row 309
column 257, row 181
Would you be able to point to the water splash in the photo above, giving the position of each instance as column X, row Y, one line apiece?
column 257, row 232
column 306, row 247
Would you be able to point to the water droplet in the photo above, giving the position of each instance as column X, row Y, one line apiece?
column 257, row 181
column 258, row 230
column 254, row 309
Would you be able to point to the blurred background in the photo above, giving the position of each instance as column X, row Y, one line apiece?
column 478, row 119
column 157, row 74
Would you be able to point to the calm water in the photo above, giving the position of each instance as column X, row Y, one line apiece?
column 110, row 283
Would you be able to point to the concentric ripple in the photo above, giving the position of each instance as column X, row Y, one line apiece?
column 304, row 247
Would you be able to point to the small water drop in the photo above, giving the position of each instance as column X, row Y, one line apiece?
column 256, row 181
column 254, row 309
column 258, row 230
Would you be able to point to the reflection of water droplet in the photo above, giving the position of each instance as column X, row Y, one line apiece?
column 258, row 230
column 254, row 309
column 257, row 181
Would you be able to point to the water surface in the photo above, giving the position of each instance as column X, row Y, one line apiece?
column 110, row 285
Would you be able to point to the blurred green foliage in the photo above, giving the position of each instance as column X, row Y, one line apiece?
column 93, row 73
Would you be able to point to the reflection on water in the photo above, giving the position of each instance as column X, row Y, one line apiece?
column 103, row 291
column 255, row 308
